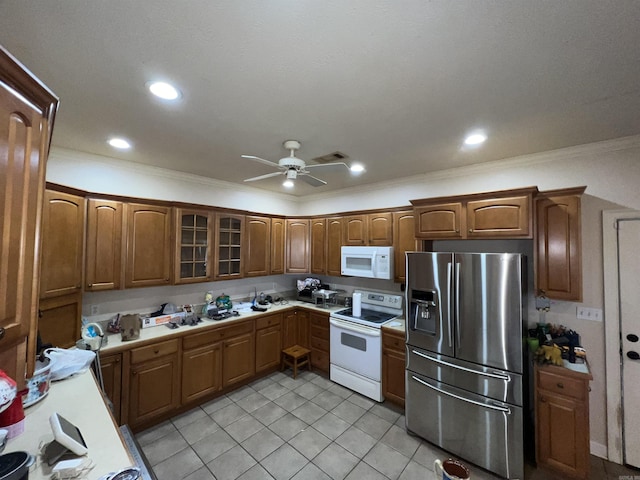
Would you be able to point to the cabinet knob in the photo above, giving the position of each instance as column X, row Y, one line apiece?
column 2, row 330
column 156, row 351
column 89, row 285
column 471, row 230
column 78, row 287
column 166, row 279
column 134, row 372
column 560, row 385
column 543, row 400
column 117, row 360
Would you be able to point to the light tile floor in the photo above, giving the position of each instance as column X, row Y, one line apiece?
column 304, row 429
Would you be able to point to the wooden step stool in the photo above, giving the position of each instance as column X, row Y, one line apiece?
column 295, row 357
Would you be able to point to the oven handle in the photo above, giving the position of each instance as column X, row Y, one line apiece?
column 369, row 331
column 506, row 378
column 468, row 400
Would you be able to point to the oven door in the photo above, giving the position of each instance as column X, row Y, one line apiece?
column 356, row 348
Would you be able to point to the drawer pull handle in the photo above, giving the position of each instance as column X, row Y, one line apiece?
column 560, row 385
column 156, row 351
column 89, row 285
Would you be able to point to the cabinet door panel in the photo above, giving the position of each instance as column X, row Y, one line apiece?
column 194, row 242
column 499, row 217
column 297, row 251
column 318, row 246
column 355, row 230
column 268, row 348
column 277, row 245
column 228, row 242
column 302, row 324
column 380, row 229
column 257, row 248
column 112, row 379
column 201, row 372
column 59, row 322
column 104, row 245
column 393, row 376
column 334, row 244
column 62, row 244
column 154, row 389
column 404, row 240
column 238, row 359
column 439, row 221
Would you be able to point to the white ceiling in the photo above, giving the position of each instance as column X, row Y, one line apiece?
column 394, row 84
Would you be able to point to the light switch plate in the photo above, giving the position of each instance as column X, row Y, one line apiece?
column 585, row 313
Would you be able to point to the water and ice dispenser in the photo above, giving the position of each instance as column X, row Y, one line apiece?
column 424, row 311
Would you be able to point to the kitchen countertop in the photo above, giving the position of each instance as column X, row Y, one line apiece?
column 79, row 400
column 397, row 325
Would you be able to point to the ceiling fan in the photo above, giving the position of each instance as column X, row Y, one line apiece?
column 292, row 167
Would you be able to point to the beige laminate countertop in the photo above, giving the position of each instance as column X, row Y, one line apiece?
column 78, row 399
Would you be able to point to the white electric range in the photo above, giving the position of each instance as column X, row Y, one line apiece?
column 356, row 342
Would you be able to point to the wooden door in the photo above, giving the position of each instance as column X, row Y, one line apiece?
column 228, row 241
column 442, row 220
column 112, row 379
column 380, row 229
column 500, row 217
column 404, row 240
column 334, row 244
column 62, row 244
column 355, row 230
column 60, row 320
column 148, row 252
column 558, row 245
column 238, row 359
column 277, row 245
column 257, row 246
column 319, row 246
column 154, row 389
column 103, row 265
column 194, row 242
column 201, row 372
column 297, row 250
column 268, row 347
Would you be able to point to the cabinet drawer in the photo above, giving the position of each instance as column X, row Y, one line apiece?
column 319, row 320
column 318, row 332
column 212, row 336
column 156, row 350
column 319, row 344
column 267, row 321
column 561, row 385
column 393, row 342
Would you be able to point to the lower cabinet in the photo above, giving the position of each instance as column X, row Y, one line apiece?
column 393, row 366
column 295, row 330
column 112, row 379
column 238, row 359
column 268, row 341
column 319, row 340
column 154, row 381
column 562, row 421
column 201, row 372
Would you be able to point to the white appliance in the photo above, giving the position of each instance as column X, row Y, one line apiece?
column 356, row 343
column 367, row 262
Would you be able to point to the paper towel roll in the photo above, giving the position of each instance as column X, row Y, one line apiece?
column 357, row 304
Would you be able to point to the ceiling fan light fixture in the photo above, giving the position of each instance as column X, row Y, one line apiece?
column 357, row 168
column 292, row 174
column 287, row 184
column 164, row 90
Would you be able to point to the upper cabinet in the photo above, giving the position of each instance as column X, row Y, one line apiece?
column 62, row 244
column 257, row 246
column 229, row 232
column 319, row 246
column 404, row 240
column 380, row 229
column 297, row 249
column 103, row 264
column 505, row 214
column 334, row 242
column 277, row 245
column 355, row 230
column 558, row 246
column 148, row 252
column 194, row 254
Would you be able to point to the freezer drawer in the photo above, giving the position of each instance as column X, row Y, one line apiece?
column 480, row 430
column 485, row 381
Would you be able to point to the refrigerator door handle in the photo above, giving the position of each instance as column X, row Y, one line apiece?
column 468, row 400
column 457, row 296
column 498, row 376
column 449, row 271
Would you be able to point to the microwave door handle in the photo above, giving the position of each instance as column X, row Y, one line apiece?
column 373, row 263
column 449, row 324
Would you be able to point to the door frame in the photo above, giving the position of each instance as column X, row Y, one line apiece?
column 610, row 220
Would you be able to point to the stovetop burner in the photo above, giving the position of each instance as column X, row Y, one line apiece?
column 366, row 314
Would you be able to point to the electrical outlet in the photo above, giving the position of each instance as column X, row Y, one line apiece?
column 94, row 310
column 585, row 313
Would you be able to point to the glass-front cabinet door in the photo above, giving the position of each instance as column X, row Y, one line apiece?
column 194, row 246
column 229, row 233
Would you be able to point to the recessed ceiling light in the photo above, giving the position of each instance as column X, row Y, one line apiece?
column 119, row 143
column 475, row 139
column 357, row 168
column 287, row 184
column 164, row 90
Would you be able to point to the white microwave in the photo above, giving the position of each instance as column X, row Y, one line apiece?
column 367, row 262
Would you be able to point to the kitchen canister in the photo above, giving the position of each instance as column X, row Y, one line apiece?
column 356, row 309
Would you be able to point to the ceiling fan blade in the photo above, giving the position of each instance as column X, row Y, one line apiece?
column 311, row 180
column 262, row 177
column 261, row 160
column 332, row 164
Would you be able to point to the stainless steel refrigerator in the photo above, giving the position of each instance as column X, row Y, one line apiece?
column 465, row 357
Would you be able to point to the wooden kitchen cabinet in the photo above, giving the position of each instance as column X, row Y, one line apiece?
column 404, row 240
column 194, row 242
column 393, row 366
column 500, row 217
column 268, row 341
column 60, row 320
column 295, row 328
column 319, row 340
column 298, row 253
column 318, row 246
column 154, row 381
column 380, row 229
column 558, row 244
column 440, row 220
column 257, row 246
column 148, row 252
column 334, row 244
column 355, row 230
column 229, row 232
column 103, row 263
column 201, row 371
column 62, row 244
column 277, row 245
column 112, row 379
column 238, row 359
column 562, row 421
